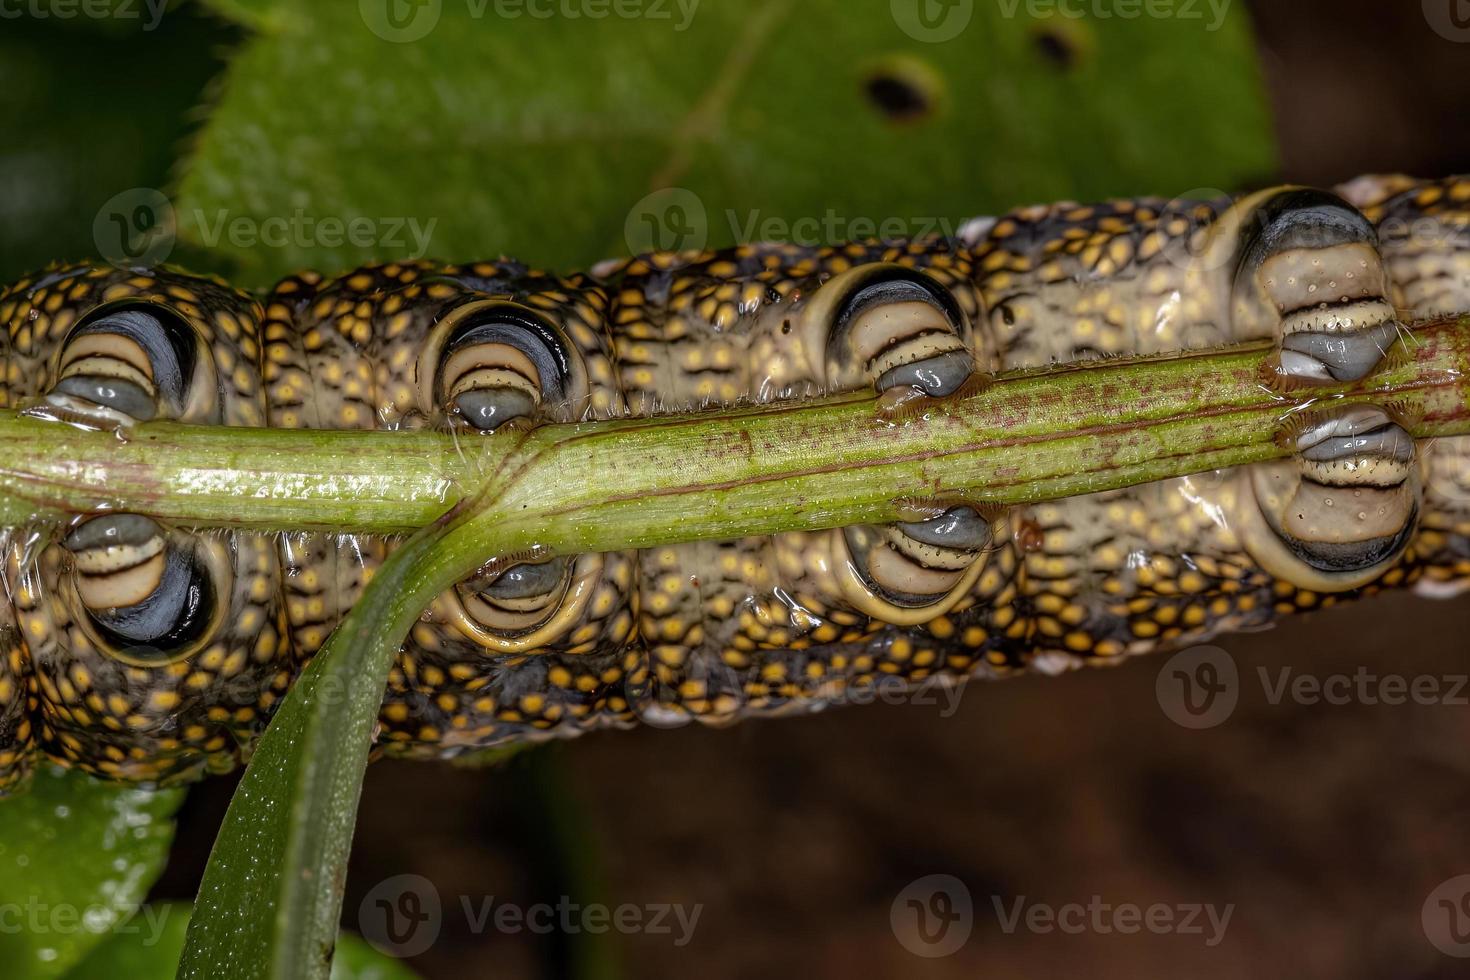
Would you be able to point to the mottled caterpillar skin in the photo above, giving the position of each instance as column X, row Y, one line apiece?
column 142, row 652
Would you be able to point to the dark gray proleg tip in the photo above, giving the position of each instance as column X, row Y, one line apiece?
column 934, row 376
column 488, row 409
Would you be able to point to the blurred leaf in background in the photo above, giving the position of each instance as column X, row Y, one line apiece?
column 468, row 128
column 94, row 106
column 150, row 953
column 154, row 955
column 76, row 858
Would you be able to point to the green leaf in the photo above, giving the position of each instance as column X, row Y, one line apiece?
column 148, row 948
column 356, row 960
column 542, row 136
column 77, row 856
column 272, row 892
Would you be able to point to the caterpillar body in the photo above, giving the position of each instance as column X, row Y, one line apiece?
column 139, row 651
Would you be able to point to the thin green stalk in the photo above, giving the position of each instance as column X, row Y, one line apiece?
column 639, row 482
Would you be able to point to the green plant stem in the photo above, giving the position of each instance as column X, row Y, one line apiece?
column 639, row 482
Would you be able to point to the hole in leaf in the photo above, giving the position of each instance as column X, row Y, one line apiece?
column 903, row 89
column 896, row 98
column 1063, row 44
column 1056, row 49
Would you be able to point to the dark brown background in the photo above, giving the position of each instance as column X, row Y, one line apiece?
column 1325, row 826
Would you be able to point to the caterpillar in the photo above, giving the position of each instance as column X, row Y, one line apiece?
column 144, row 652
